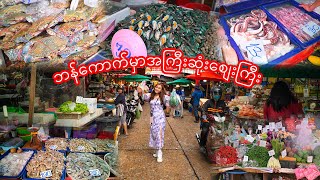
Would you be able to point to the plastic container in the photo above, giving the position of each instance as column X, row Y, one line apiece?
column 24, row 168
column 79, row 134
column 291, row 35
column 63, row 176
column 105, row 135
column 198, row 6
column 243, row 5
column 23, row 131
column 182, row 2
column 13, row 143
column 296, row 50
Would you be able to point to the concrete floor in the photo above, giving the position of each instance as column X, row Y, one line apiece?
column 181, row 156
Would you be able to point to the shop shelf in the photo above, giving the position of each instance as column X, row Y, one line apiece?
column 223, row 22
column 291, row 35
column 24, row 168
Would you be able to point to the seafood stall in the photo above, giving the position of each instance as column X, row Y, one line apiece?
column 266, row 35
column 49, row 31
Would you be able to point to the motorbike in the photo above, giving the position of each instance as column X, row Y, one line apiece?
column 215, row 128
column 132, row 106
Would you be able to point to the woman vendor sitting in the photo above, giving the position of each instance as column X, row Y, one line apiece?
column 238, row 133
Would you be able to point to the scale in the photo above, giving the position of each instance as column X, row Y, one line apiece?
column 35, row 143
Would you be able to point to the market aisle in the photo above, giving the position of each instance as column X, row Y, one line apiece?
column 182, row 159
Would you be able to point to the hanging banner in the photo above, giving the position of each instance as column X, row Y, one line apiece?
column 245, row 74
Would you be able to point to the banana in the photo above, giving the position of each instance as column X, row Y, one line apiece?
column 315, row 60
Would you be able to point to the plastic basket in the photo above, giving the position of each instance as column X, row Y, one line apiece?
column 23, row 169
column 295, row 51
column 292, row 36
column 63, row 176
column 23, row 131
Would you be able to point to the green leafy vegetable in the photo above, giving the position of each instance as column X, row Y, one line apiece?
column 82, row 108
column 260, row 155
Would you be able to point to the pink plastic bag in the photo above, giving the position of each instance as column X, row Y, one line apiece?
column 311, row 172
column 299, row 173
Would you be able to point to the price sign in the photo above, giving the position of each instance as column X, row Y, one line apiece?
column 283, row 129
column 235, row 144
column 263, row 143
column 311, row 28
column 284, row 153
column 45, row 174
column 272, row 125
column 256, row 52
column 250, row 138
column 265, row 130
column 81, row 148
column 279, row 125
column 245, row 158
column 267, row 127
column 53, row 147
column 120, row 47
column 271, row 152
column 95, row 172
column 260, row 127
column 226, row 140
column 309, row 159
column 79, row 99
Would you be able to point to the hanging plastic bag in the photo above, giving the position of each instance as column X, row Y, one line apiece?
column 138, row 114
column 91, row 3
column 174, row 99
column 140, row 107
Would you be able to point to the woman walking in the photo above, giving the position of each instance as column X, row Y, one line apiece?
column 120, row 103
column 157, row 120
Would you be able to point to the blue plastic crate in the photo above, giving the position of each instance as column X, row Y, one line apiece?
column 63, row 176
column 292, row 36
column 223, row 22
column 22, row 171
column 248, row 4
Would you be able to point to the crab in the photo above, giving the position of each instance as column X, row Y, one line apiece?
column 84, row 54
column 10, row 31
column 71, row 16
column 87, row 41
column 46, row 47
column 12, row 19
column 19, row 8
column 68, row 29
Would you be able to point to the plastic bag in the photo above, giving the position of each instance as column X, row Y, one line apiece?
column 138, row 114
column 174, row 99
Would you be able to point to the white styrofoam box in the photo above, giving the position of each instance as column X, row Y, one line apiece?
column 118, row 16
column 91, row 103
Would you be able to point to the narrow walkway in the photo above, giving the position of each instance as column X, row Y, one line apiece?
column 181, row 156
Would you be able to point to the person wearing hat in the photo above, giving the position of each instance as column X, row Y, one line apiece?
column 195, row 101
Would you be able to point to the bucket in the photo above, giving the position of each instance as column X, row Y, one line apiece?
column 198, row 6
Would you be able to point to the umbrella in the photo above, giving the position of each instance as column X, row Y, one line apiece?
column 181, row 81
column 207, row 75
column 138, row 78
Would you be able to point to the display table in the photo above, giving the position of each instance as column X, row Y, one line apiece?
column 239, row 170
column 79, row 122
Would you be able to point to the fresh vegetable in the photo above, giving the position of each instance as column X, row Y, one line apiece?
column 65, row 108
column 226, row 155
column 259, row 154
column 302, row 156
column 274, row 163
column 316, row 151
column 277, row 146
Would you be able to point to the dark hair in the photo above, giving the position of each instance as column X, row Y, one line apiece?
column 119, row 88
column 280, row 96
column 161, row 95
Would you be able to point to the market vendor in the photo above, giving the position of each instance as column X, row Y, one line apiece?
column 281, row 103
column 216, row 103
column 238, row 133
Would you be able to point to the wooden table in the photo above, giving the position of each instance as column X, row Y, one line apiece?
column 265, row 171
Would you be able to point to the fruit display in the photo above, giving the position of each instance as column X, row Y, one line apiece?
column 226, row 155
column 316, row 153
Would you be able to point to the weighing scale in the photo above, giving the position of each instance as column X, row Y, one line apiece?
column 35, row 143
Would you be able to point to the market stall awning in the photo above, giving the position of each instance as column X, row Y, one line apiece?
column 181, row 81
column 207, row 75
column 138, row 78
